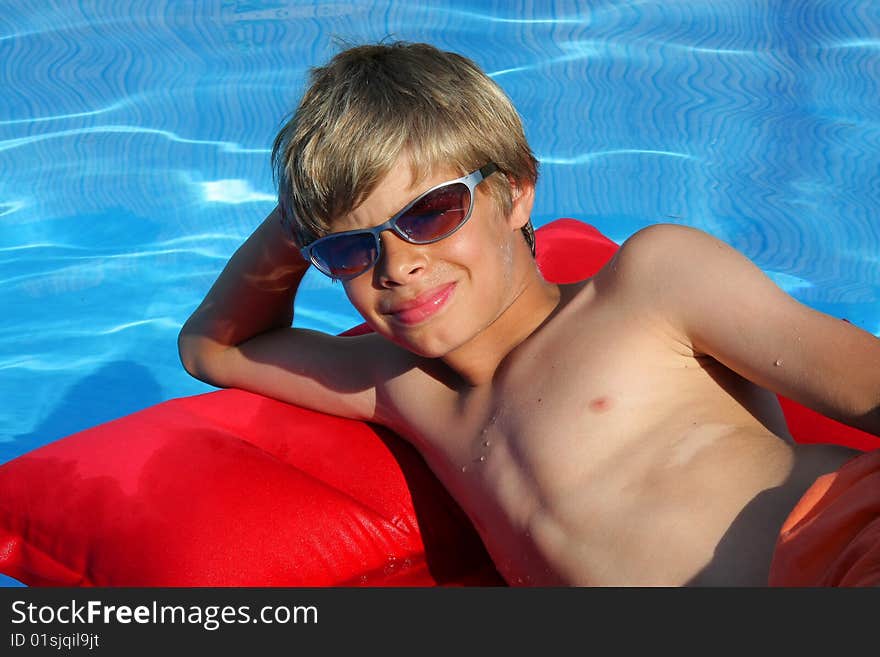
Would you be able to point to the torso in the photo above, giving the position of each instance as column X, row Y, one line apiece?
column 606, row 452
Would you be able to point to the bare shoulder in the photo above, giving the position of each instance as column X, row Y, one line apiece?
column 660, row 265
column 655, row 247
column 638, row 271
column 663, row 276
column 724, row 306
column 407, row 386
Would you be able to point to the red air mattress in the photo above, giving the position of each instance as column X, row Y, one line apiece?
column 233, row 489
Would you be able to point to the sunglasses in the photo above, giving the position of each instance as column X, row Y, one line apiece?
column 434, row 215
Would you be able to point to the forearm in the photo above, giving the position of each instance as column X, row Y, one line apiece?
column 253, row 294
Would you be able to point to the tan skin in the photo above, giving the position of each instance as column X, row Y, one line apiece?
column 618, row 431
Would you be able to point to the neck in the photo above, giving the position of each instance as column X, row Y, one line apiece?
column 478, row 360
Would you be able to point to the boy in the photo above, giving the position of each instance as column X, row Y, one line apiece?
column 616, row 431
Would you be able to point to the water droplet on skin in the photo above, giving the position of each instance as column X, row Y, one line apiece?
column 485, row 443
column 483, row 458
column 464, row 468
column 778, row 363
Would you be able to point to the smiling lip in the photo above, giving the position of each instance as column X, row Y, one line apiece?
column 423, row 306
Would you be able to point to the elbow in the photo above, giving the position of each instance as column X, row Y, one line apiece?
column 188, row 352
column 199, row 357
column 187, row 355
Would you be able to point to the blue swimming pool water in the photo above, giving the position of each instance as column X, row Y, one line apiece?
column 134, row 144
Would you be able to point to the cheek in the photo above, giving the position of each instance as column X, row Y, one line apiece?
column 484, row 239
column 495, row 249
column 492, row 279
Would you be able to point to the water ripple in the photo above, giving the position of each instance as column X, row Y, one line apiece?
column 72, row 115
column 587, row 157
column 8, row 207
column 226, row 146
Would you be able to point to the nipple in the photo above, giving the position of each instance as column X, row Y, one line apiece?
column 600, row 404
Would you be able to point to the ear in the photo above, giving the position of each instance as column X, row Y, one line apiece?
column 523, row 196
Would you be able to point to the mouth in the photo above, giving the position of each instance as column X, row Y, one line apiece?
column 422, row 307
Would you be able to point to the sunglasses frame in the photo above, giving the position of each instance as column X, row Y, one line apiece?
column 470, row 180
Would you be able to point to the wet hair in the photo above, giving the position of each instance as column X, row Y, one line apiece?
column 371, row 104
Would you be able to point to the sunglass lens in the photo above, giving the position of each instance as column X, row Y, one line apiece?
column 436, row 214
column 346, row 256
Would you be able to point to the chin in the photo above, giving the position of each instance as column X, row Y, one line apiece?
column 426, row 348
column 427, row 340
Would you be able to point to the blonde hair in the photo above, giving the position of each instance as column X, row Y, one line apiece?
column 372, row 103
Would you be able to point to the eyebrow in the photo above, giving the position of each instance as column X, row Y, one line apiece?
column 388, row 217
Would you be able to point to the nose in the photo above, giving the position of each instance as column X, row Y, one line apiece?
column 400, row 262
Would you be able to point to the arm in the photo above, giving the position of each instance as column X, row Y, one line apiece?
column 730, row 310
column 241, row 336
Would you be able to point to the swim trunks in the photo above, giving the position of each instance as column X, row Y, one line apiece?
column 832, row 537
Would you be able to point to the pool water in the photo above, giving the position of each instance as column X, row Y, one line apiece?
column 135, row 139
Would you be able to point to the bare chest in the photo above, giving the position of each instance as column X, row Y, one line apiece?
column 589, row 436
column 576, row 400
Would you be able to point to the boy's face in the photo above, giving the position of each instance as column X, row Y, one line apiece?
column 434, row 298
